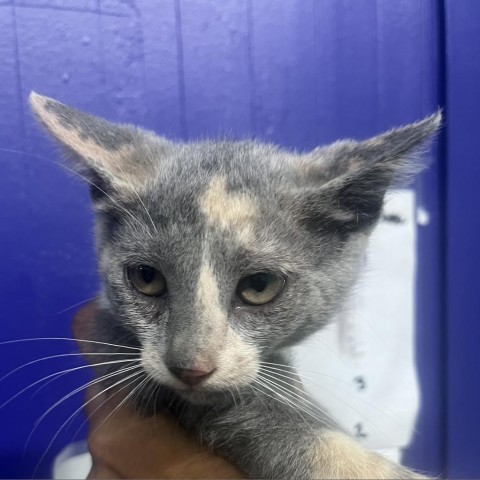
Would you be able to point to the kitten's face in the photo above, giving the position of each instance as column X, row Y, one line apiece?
column 215, row 254
column 223, row 272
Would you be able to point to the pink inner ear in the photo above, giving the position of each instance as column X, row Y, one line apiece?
column 98, row 145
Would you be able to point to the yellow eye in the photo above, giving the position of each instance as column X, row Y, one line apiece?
column 147, row 280
column 260, row 288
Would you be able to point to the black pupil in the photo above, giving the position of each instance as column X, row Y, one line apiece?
column 259, row 282
column 148, row 274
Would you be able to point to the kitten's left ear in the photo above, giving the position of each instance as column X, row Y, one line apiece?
column 118, row 155
column 342, row 186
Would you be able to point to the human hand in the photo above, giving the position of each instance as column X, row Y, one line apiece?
column 125, row 445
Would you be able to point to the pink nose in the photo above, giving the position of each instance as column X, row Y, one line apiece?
column 190, row 377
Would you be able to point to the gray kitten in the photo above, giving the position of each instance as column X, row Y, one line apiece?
column 216, row 256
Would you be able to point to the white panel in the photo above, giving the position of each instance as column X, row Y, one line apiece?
column 361, row 368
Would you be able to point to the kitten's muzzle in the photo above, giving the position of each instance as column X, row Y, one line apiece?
column 190, row 377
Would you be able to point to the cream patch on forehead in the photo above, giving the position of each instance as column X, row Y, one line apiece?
column 230, row 211
column 116, row 162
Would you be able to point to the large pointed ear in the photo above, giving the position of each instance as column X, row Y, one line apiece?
column 342, row 186
column 120, row 156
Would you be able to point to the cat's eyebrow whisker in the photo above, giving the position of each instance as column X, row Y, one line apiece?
column 77, row 305
column 146, row 211
column 88, row 181
column 8, row 342
column 77, row 411
column 79, row 354
column 83, row 177
column 132, row 187
column 69, row 370
column 34, row 155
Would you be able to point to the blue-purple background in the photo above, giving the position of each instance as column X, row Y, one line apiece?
column 296, row 72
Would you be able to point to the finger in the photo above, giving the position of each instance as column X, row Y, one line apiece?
column 154, row 447
column 97, row 472
column 151, row 447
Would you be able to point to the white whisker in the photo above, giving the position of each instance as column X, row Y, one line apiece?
column 83, row 387
column 132, row 187
column 274, row 380
column 79, row 354
column 338, row 396
column 7, row 342
column 290, row 369
column 78, row 410
column 76, row 305
column 101, row 405
column 291, row 397
column 87, row 180
column 69, row 370
column 34, row 155
column 281, row 400
column 77, row 390
column 348, row 405
column 130, row 395
column 107, row 195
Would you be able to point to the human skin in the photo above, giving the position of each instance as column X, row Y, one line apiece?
column 126, row 445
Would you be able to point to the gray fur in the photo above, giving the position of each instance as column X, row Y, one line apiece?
column 311, row 215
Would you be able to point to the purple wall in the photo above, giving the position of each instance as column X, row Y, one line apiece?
column 296, row 72
column 462, row 248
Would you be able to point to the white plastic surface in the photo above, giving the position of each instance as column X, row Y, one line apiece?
column 362, row 368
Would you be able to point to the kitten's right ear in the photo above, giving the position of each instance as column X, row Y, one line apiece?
column 119, row 155
column 342, row 186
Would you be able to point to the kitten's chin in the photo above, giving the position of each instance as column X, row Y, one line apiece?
column 198, row 397
column 208, row 395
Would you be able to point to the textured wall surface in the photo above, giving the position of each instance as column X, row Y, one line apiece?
column 296, row 72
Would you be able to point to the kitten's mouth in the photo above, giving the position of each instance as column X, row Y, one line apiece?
column 199, row 393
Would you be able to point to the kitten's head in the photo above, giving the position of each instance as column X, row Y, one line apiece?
column 215, row 254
